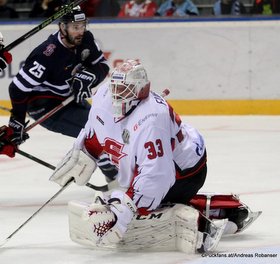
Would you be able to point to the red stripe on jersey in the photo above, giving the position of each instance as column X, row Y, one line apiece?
column 130, row 193
column 93, row 146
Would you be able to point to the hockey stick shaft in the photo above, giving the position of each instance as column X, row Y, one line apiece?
column 5, row 108
column 50, row 113
column 57, row 108
column 45, row 23
column 34, row 214
column 103, row 188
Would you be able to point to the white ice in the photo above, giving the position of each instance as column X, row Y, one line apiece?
column 243, row 158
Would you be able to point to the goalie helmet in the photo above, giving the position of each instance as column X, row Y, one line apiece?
column 128, row 84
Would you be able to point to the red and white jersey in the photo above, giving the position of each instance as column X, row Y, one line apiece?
column 132, row 9
column 146, row 146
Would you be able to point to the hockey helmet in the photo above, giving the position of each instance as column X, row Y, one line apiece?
column 75, row 15
column 128, row 84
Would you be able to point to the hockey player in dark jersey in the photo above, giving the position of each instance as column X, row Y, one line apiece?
column 68, row 63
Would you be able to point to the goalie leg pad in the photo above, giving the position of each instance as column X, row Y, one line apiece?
column 166, row 229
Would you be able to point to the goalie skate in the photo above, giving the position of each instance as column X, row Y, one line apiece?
column 252, row 217
column 212, row 235
column 225, row 206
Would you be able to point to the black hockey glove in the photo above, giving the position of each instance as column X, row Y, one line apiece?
column 19, row 135
column 82, row 83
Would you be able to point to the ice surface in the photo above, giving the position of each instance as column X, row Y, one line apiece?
column 243, row 157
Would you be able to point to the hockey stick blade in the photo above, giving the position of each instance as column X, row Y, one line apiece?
column 45, row 23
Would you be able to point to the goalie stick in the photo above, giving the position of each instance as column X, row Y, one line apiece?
column 34, row 214
column 58, row 14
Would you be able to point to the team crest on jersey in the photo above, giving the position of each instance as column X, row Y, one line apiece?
column 85, row 53
column 49, row 50
column 125, row 136
column 114, row 149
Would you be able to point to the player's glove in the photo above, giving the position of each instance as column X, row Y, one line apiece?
column 5, row 56
column 82, row 83
column 6, row 146
column 19, row 135
column 11, row 136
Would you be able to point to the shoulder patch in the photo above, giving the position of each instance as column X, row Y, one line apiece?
column 49, row 50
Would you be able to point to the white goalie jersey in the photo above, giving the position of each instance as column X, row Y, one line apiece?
column 155, row 154
column 144, row 146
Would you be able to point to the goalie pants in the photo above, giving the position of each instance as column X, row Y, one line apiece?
column 68, row 121
column 185, row 189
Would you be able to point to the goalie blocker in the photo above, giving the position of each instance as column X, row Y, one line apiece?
column 174, row 227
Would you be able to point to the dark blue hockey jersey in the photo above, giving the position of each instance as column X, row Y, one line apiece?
column 47, row 70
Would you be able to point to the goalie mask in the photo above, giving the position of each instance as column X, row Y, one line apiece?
column 128, row 84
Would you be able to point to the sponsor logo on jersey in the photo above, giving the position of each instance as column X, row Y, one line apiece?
column 143, row 120
column 49, row 50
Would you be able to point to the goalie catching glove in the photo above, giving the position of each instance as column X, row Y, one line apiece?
column 82, row 83
column 124, row 209
column 77, row 165
column 104, row 222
